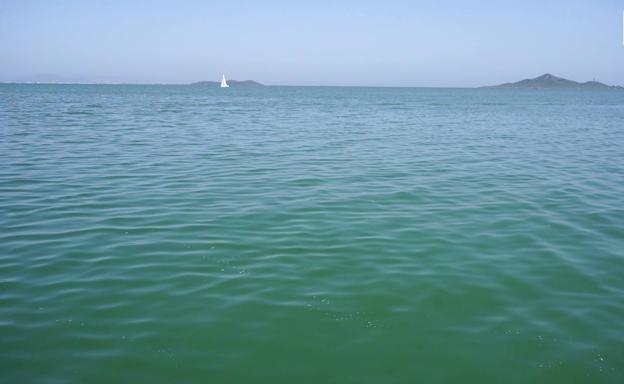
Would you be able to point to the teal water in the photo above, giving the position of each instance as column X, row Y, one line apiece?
column 179, row 234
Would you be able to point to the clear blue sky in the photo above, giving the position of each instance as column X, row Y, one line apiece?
column 415, row 43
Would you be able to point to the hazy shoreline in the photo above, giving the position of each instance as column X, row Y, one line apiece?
column 545, row 81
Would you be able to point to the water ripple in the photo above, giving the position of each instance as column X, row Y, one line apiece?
column 310, row 234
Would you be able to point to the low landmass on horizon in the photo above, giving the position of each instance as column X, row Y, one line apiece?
column 550, row 81
column 545, row 81
column 230, row 83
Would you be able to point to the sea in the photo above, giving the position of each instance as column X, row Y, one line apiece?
column 192, row 234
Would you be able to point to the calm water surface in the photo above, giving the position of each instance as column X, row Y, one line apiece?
column 178, row 234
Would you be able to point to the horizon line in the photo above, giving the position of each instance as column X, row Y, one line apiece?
column 217, row 82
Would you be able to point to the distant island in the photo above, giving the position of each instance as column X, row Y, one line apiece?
column 231, row 83
column 550, row 81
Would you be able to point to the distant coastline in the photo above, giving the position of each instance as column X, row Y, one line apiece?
column 548, row 81
column 230, row 83
column 545, row 81
column 200, row 83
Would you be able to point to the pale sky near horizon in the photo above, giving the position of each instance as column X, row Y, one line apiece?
column 409, row 43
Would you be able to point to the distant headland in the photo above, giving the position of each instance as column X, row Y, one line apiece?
column 550, row 81
column 231, row 83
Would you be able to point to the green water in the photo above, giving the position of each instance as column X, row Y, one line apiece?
column 179, row 234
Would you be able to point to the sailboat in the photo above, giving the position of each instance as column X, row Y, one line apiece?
column 224, row 83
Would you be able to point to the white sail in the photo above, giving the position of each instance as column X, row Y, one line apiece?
column 224, row 83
